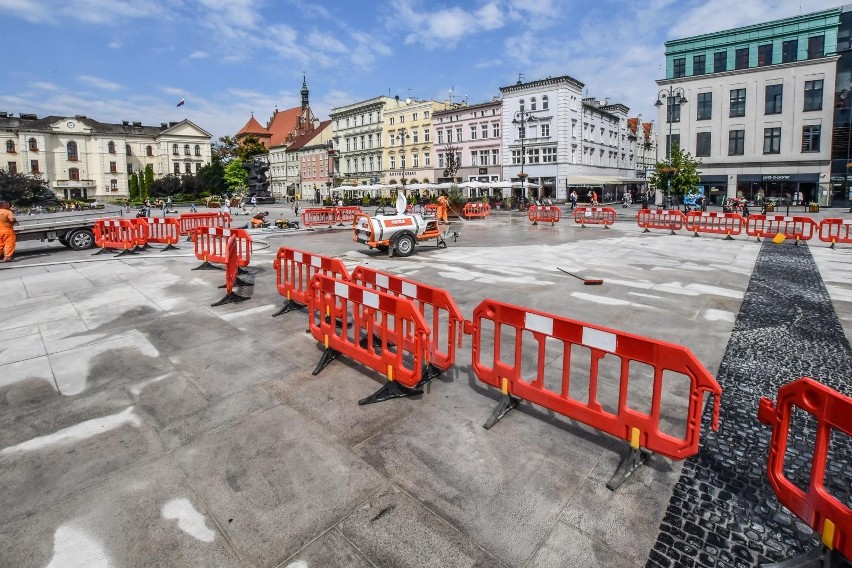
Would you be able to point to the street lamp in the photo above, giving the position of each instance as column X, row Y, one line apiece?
column 521, row 118
column 675, row 96
column 403, row 135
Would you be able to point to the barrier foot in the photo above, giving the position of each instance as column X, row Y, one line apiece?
column 629, row 464
column 819, row 557
column 729, row 237
column 230, row 298
column 535, row 222
column 797, row 243
column 170, row 246
column 831, row 247
column 391, row 389
column 238, row 282
column 103, row 250
column 288, row 307
column 328, row 356
column 647, row 230
column 207, row 266
column 365, row 340
column 695, row 234
column 241, row 270
column 507, row 403
column 430, row 372
column 673, row 232
column 605, row 227
column 125, row 252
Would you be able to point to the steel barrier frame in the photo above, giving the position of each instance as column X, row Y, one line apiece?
column 671, row 219
column 835, row 231
column 294, row 270
column 544, row 213
column 594, row 216
column 375, row 329
column 823, row 512
column 641, row 429
column 716, row 223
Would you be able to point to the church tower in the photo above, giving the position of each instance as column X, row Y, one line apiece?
column 304, row 92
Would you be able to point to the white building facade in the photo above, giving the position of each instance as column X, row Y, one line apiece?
column 474, row 133
column 357, row 142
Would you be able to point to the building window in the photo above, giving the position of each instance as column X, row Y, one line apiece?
column 816, row 47
column 187, row 168
column 370, row 138
column 129, row 168
column 545, row 131
column 415, row 160
column 545, row 103
column 813, row 95
column 774, row 98
column 702, row 144
column 12, row 167
column 810, row 138
column 473, row 132
column 533, row 156
column 392, row 162
column 402, row 161
column 789, row 50
column 427, row 159
column 548, row 155
column 458, row 135
column 415, row 136
column 533, row 104
column 113, row 185
column 10, row 146
column 33, row 145
column 426, row 135
column 127, row 151
column 177, row 169
column 672, row 143
column 186, row 149
column 679, row 67
column 484, row 130
column 516, row 157
column 440, row 160
column 440, row 136
column 74, row 174
column 425, row 115
column 699, row 64
column 474, row 158
column 197, row 150
column 741, row 58
column 705, row 106
column 764, row 55
column 495, row 157
column 363, row 167
column 197, row 167
column 113, row 168
column 672, row 108
column 174, row 149
column 372, row 162
column 71, row 149
column 149, row 151
column 736, row 142
column 495, row 130
column 738, row 100
column 34, row 166
column 111, row 147
column 772, row 140
column 522, row 104
column 720, row 61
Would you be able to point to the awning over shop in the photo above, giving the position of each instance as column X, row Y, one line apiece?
column 593, row 180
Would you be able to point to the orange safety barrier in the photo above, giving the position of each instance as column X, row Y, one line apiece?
column 122, row 234
column 544, row 213
column 836, row 231
column 670, row 219
column 346, row 214
column 381, row 331
column 318, row 216
column 769, row 226
column 594, row 216
column 476, row 210
column 526, row 369
column 430, row 209
column 438, row 309
column 294, row 270
column 211, row 246
column 822, row 511
column 232, row 262
column 163, row 230
column 713, row 222
column 189, row 221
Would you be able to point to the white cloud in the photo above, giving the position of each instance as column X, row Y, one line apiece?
column 114, row 45
column 99, row 83
column 443, row 27
column 43, row 85
column 325, row 42
column 101, row 12
column 199, row 55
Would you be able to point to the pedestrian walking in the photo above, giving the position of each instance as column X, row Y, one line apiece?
column 147, row 207
column 7, row 231
column 168, row 205
column 573, row 198
column 253, row 202
column 192, row 208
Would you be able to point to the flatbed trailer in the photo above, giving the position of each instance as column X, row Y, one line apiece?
column 71, row 228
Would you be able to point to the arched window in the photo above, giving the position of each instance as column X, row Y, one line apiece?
column 174, row 149
column 522, row 105
column 197, row 150
column 149, row 151
column 72, row 151
column 127, row 149
column 73, row 174
column 544, row 102
column 111, row 147
column 33, row 145
column 186, row 149
column 10, row 146
column 533, row 105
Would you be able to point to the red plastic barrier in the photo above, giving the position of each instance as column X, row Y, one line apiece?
column 670, row 219
column 476, row 210
column 716, row 223
column 232, row 263
column 346, row 215
column 123, row 234
column 383, row 332
column 544, row 213
column 823, row 512
column 294, row 270
column 594, row 216
column 315, row 216
column 768, row 226
column 189, row 221
column 430, row 209
column 164, row 231
column 836, row 231
column 625, row 356
column 436, row 305
column 211, row 246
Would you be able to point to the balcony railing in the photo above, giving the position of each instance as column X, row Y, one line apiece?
column 74, row 183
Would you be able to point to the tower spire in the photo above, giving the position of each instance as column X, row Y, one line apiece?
column 304, row 92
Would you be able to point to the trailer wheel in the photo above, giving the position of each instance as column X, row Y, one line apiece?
column 81, row 239
column 405, row 245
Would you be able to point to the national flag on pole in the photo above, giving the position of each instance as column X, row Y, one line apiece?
column 182, row 102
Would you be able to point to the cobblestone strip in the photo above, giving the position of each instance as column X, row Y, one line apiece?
column 723, row 513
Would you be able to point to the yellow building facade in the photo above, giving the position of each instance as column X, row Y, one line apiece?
column 408, row 141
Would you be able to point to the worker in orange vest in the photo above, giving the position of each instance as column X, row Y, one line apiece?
column 443, row 203
column 7, row 231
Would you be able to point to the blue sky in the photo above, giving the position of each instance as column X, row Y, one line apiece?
column 117, row 60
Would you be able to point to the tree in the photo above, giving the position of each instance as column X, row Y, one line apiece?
column 212, row 178
column 25, row 190
column 235, row 176
column 146, row 180
column 452, row 155
column 191, row 185
column 250, row 147
column 679, row 174
column 225, row 149
column 165, row 186
column 133, row 186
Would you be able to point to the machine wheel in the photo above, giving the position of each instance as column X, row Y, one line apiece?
column 382, row 248
column 81, row 239
column 405, row 245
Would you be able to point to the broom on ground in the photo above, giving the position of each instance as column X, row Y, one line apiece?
column 586, row 281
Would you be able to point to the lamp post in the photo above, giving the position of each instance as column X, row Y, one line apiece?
column 403, row 134
column 521, row 118
column 675, row 96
